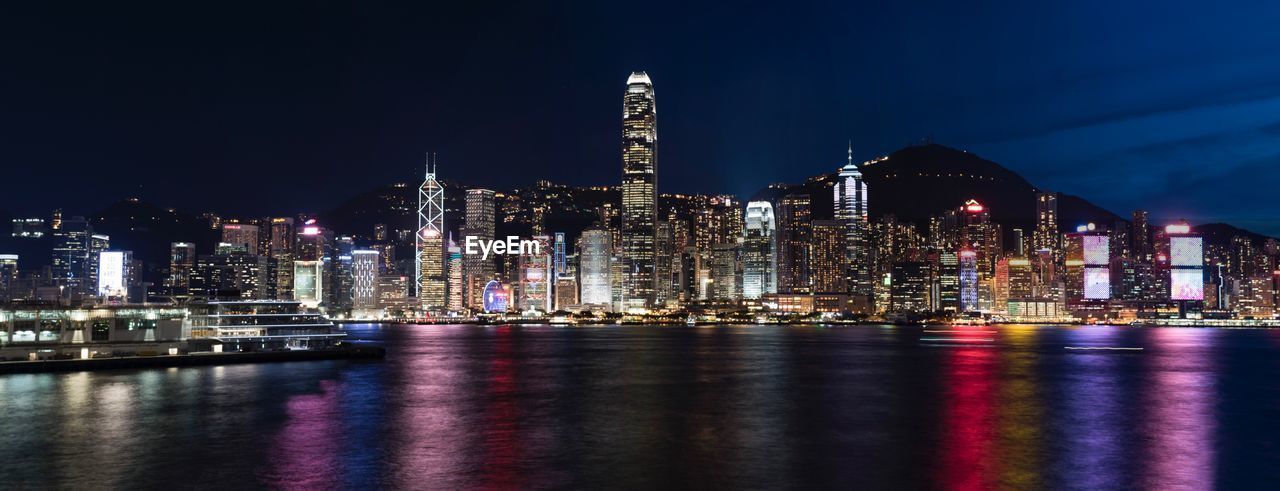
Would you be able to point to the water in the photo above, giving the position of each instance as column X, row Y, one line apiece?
column 757, row 407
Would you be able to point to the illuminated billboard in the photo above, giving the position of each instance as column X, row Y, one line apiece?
column 308, row 282
column 1188, row 284
column 1097, row 283
column 496, row 297
column 111, row 276
column 1186, row 251
column 1097, row 250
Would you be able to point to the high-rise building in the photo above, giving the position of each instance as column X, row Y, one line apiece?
column 245, row 234
column 948, row 287
column 98, row 243
column 281, row 250
column 182, row 258
column 1046, row 234
column 850, row 194
column 827, row 262
column 968, row 280
column 113, row 275
column 639, row 190
column 477, row 270
column 759, row 258
column 456, row 292
column 535, row 277
column 663, row 247
column 308, row 282
column 594, row 267
column 726, row 272
column 232, row 275
column 364, row 279
column 910, row 287
column 794, row 231
column 429, row 274
column 8, row 276
column 71, row 254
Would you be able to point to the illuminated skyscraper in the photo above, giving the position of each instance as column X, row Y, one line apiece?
column 453, row 264
column 477, row 270
column 759, row 246
column 535, row 288
column 594, row 267
column 827, row 263
column 639, row 190
column 245, row 234
column 71, row 255
column 429, row 276
column 182, row 258
column 1046, row 235
column 794, row 230
column 364, row 279
column 850, row 194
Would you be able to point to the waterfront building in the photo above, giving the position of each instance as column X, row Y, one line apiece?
column 948, row 285
column 566, row 296
column 850, row 193
column 1046, row 234
column 595, row 267
column 453, row 264
column 364, row 279
column 281, row 251
column 726, row 272
column 759, row 246
column 968, row 269
column 534, row 290
column 910, row 283
column 8, row 277
column 222, row 275
column 429, row 273
column 480, row 221
column 102, row 330
column 828, row 255
column 70, row 265
column 308, row 283
column 113, row 275
column 663, row 258
column 639, row 190
column 795, row 229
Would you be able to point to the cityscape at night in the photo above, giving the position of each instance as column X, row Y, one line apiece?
column 418, row 247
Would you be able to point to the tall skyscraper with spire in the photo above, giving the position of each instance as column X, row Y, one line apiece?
column 428, row 262
column 851, row 210
column 639, row 190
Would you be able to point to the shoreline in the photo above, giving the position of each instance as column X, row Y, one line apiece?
column 191, row 360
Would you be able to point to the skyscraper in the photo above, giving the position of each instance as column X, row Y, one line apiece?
column 1046, row 234
column 182, row 258
column 759, row 258
column 639, row 190
column 364, row 279
column 594, row 267
column 245, row 234
column 429, row 275
column 827, row 265
column 71, row 254
column 851, row 209
column 794, row 230
column 477, row 270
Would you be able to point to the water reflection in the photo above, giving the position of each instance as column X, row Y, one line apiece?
column 1180, row 418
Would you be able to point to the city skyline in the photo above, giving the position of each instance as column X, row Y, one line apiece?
column 861, row 72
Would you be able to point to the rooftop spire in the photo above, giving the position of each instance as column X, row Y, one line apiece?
column 850, row 151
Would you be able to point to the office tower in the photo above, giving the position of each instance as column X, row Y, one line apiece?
column 1046, row 235
column 827, row 262
column 232, row 275
column 560, row 258
column 1021, row 278
column 910, row 287
column 718, row 221
column 594, row 268
column 850, row 194
column 364, row 279
column 759, row 259
column 662, row 260
column 113, row 275
column 428, row 259
column 339, row 274
column 1184, row 252
column 968, row 269
column 71, row 254
column 1073, row 269
column 1019, row 244
column 182, row 258
column 55, row 222
column 949, row 282
column 241, row 234
column 1141, row 237
column 456, row 292
column 535, row 277
column 566, row 292
column 1097, row 265
column 726, row 272
column 312, row 242
column 308, row 282
column 8, row 276
column 281, row 249
column 639, row 190
column 479, row 223
column 794, row 231
column 393, row 291
column 97, row 244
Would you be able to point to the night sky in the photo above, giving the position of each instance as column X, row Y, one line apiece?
column 276, row 107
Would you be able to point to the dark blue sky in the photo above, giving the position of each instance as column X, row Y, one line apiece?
column 275, row 107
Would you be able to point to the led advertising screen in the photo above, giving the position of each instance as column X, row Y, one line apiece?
column 1096, row 250
column 111, row 274
column 1188, row 284
column 1097, row 283
column 1186, row 251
